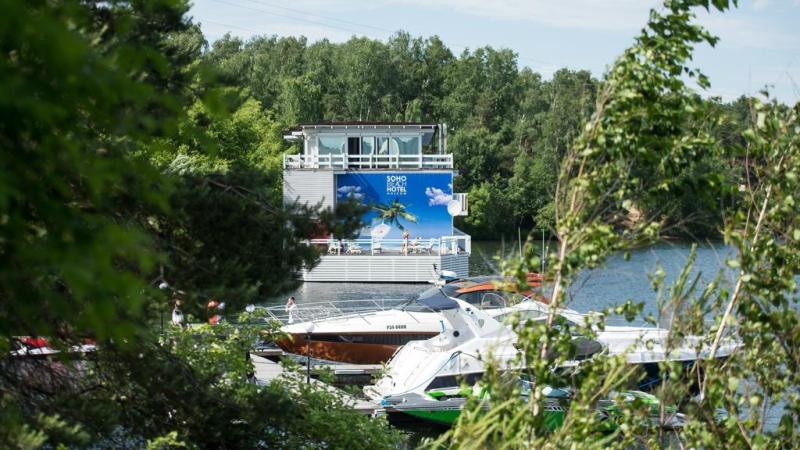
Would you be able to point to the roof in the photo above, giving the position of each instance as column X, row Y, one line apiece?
column 359, row 124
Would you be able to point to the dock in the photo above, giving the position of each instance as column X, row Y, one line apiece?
column 266, row 371
column 343, row 372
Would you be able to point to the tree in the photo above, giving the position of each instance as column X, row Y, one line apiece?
column 393, row 212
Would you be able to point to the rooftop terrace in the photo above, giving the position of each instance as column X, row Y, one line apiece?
column 369, row 145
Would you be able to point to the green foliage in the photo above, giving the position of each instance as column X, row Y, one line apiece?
column 645, row 145
column 76, row 102
column 763, row 299
column 125, row 165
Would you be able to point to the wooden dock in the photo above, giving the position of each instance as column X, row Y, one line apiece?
column 344, row 372
column 266, row 371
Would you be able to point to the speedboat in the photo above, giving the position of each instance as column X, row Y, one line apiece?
column 444, row 408
column 372, row 337
column 471, row 337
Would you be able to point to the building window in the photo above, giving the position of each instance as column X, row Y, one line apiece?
column 367, row 145
column 407, row 145
column 331, row 145
column 386, row 146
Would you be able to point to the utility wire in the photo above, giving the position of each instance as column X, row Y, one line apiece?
column 306, row 13
column 297, row 19
column 536, row 63
column 385, row 30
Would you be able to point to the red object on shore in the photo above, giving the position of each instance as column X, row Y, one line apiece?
column 35, row 342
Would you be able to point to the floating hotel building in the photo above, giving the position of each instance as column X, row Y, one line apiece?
column 403, row 173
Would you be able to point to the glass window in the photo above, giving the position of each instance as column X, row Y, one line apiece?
column 331, row 145
column 473, row 298
column 408, row 145
column 387, row 146
column 367, row 145
column 491, row 300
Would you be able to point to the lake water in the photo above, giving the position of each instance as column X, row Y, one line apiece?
column 617, row 281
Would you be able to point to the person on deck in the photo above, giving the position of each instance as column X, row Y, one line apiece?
column 406, row 235
column 290, row 308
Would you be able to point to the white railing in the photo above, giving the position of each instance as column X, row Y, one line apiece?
column 445, row 245
column 344, row 161
column 303, row 312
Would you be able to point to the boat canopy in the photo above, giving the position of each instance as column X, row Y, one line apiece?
column 431, row 300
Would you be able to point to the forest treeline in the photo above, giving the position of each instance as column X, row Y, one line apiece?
column 508, row 126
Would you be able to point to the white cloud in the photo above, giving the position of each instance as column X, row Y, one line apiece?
column 350, row 192
column 437, row 196
column 740, row 33
column 760, row 4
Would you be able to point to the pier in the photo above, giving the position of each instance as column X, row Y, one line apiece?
column 266, row 371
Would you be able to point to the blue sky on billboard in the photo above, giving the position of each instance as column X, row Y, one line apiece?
column 759, row 42
column 416, row 202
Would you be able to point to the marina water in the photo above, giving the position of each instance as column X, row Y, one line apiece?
column 616, row 282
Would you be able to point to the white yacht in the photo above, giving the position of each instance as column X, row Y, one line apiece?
column 471, row 335
column 372, row 337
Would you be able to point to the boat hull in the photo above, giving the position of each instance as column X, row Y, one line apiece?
column 448, row 415
column 364, row 348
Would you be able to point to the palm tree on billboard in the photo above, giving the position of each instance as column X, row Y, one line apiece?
column 393, row 212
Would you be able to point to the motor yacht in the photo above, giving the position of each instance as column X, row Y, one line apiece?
column 471, row 335
column 372, row 337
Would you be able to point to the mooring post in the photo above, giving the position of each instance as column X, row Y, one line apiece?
column 309, row 330
column 308, row 358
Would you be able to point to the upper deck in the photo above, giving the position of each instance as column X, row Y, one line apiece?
column 369, row 145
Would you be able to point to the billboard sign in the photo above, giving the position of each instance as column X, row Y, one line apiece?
column 400, row 201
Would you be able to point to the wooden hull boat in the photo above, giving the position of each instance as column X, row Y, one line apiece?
column 373, row 337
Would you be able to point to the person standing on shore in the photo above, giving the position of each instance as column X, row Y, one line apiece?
column 177, row 314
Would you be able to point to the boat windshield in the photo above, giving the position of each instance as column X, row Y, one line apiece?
column 416, row 305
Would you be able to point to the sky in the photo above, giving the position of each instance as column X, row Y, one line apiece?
column 759, row 41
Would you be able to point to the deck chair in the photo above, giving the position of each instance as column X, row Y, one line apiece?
column 376, row 247
column 429, row 248
column 334, row 247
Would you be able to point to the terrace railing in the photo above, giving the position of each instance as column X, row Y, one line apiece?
column 445, row 245
column 303, row 312
column 344, row 161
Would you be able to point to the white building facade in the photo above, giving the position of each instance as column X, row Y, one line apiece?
column 403, row 174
